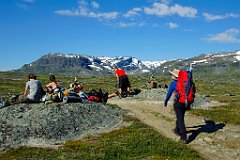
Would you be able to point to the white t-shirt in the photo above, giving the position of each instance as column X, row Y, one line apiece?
column 34, row 87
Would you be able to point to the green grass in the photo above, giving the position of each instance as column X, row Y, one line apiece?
column 222, row 89
column 138, row 141
column 14, row 83
column 228, row 113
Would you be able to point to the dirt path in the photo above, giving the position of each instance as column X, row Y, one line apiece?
column 211, row 140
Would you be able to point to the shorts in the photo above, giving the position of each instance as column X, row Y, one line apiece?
column 123, row 82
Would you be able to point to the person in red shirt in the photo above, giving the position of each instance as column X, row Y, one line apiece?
column 123, row 82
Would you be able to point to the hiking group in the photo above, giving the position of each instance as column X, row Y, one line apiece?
column 34, row 92
column 183, row 88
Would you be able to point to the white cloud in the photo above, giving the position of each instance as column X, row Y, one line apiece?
column 172, row 25
column 161, row 9
column 133, row 13
column 95, row 5
column 166, row 1
column 211, row 17
column 228, row 36
column 107, row 15
column 85, row 11
column 123, row 24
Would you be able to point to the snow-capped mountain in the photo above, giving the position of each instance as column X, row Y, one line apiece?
column 224, row 63
column 88, row 65
column 153, row 64
column 76, row 64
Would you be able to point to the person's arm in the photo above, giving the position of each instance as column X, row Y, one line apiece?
column 170, row 91
column 117, row 76
column 48, row 85
column 26, row 91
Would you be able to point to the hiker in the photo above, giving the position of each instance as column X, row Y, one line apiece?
column 131, row 93
column 152, row 83
column 98, row 96
column 52, row 85
column 114, row 94
column 179, row 108
column 33, row 90
column 54, row 90
column 123, row 82
column 165, row 86
column 76, row 86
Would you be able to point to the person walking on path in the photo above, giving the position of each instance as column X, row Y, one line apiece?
column 179, row 108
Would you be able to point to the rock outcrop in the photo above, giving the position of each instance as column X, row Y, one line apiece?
column 40, row 124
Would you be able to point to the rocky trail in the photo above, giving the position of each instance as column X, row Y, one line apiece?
column 212, row 140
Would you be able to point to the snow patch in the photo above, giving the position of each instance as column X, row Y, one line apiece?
column 145, row 71
column 153, row 64
column 92, row 66
column 200, row 61
column 107, row 67
column 238, row 55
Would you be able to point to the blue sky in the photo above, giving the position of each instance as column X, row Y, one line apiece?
column 145, row 29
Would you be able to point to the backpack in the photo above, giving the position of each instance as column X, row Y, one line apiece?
column 98, row 96
column 57, row 92
column 185, row 88
column 94, row 98
column 3, row 103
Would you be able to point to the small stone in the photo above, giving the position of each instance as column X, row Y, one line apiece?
column 208, row 140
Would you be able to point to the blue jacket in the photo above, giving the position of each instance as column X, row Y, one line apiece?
column 172, row 88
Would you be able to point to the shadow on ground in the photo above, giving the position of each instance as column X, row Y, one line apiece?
column 208, row 127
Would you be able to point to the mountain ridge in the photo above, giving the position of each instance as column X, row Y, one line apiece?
column 74, row 64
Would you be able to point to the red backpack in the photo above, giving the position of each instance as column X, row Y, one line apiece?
column 94, row 98
column 185, row 87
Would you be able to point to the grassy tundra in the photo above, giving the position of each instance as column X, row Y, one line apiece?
column 136, row 141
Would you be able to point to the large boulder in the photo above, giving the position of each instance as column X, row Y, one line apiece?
column 40, row 124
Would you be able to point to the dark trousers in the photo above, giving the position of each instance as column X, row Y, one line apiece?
column 123, row 82
column 180, row 110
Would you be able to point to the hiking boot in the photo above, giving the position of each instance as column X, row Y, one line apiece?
column 120, row 96
column 184, row 141
column 105, row 98
column 14, row 99
column 176, row 132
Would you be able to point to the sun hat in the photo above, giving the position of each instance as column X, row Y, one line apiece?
column 174, row 72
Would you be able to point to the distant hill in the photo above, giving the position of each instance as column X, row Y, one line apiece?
column 74, row 64
column 206, row 65
column 225, row 63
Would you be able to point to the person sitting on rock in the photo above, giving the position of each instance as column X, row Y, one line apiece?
column 54, row 89
column 52, row 85
column 76, row 86
column 33, row 90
